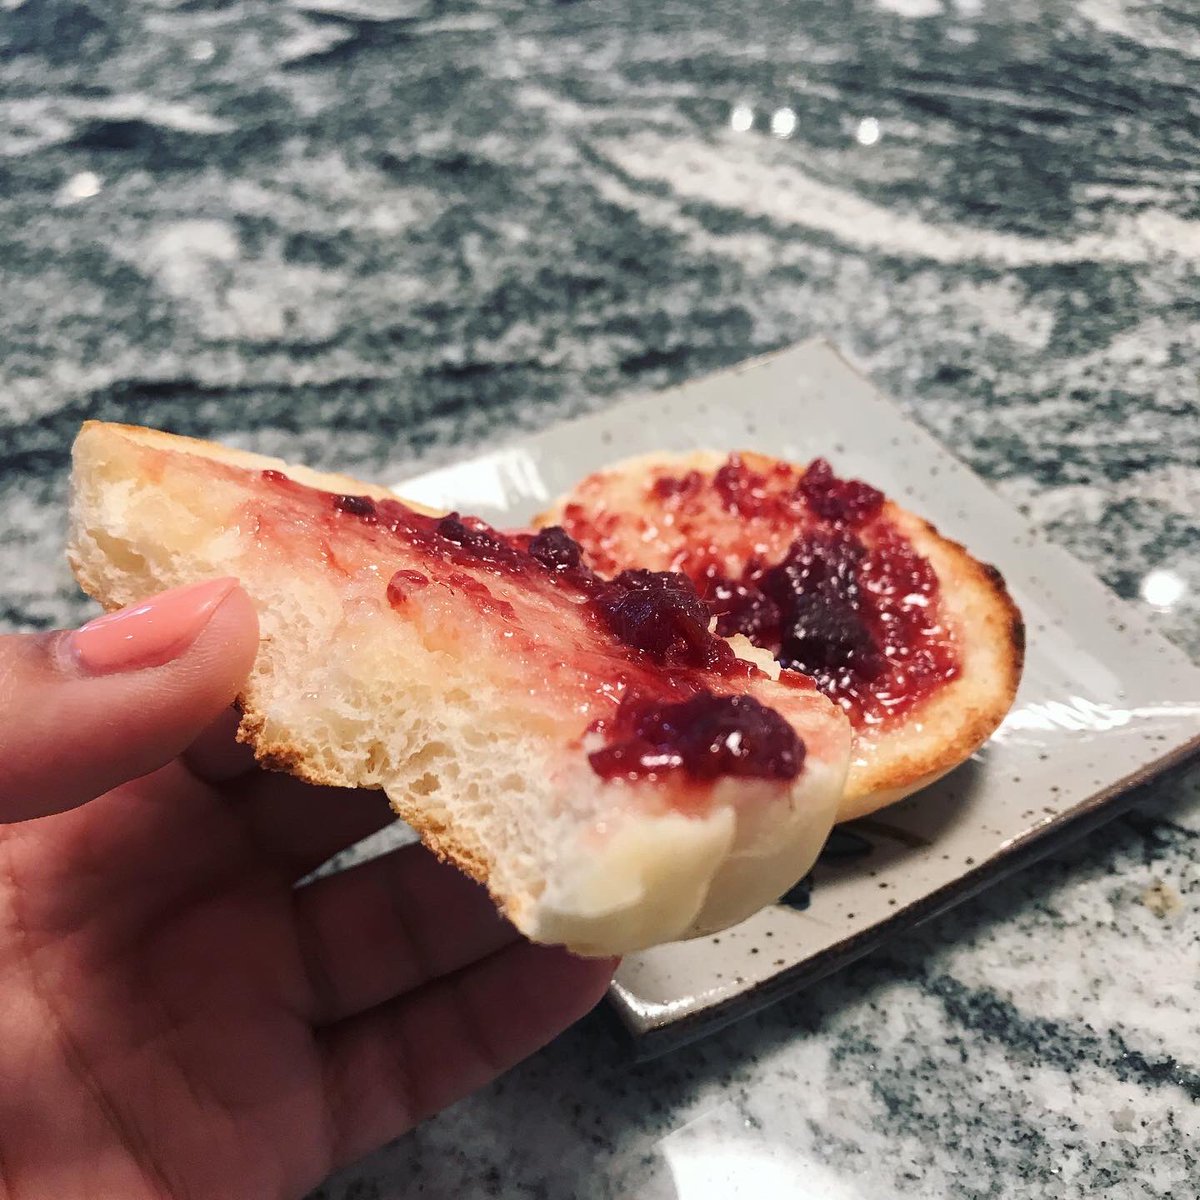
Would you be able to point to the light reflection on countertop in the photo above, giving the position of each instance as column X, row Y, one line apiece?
column 783, row 122
column 727, row 1155
column 867, row 132
column 1163, row 589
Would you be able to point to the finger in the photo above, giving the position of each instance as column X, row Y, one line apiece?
column 216, row 756
column 389, row 926
column 300, row 825
column 82, row 712
column 397, row 1064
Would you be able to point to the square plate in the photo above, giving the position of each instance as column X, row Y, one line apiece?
column 1105, row 704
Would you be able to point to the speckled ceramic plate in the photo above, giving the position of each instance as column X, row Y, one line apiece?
column 1104, row 706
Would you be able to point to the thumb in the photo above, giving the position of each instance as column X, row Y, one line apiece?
column 81, row 712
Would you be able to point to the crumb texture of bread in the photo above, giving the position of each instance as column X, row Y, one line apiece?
column 489, row 771
column 895, row 759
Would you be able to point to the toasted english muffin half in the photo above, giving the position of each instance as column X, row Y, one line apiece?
column 613, row 773
column 852, row 586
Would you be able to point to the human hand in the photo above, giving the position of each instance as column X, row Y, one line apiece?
column 176, row 1017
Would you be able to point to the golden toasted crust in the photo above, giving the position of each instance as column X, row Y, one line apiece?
column 174, row 443
column 944, row 730
column 962, row 715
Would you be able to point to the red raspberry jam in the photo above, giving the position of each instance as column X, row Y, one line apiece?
column 555, row 550
column 805, row 564
column 402, row 584
column 359, row 506
column 661, row 613
column 706, row 736
column 630, row 658
column 846, row 501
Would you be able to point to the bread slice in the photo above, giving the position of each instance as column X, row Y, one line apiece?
column 712, row 515
column 463, row 680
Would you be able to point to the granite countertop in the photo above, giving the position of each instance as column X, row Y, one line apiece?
column 366, row 232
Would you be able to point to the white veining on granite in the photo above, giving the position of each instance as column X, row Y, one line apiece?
column 723, row 173
column 912, row 8
column 1151, row 25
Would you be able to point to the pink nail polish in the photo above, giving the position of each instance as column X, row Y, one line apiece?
column 148, row 633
